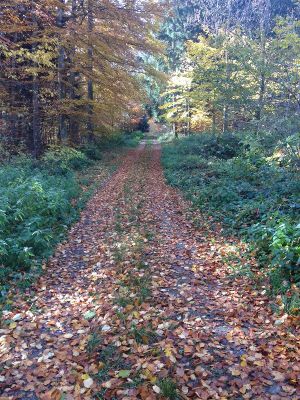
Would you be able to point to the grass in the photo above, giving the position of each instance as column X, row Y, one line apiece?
column 143, row 335
column 168, row 388
column 94, row 342
column 110, row 360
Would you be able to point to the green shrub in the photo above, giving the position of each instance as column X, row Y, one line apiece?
column 60, row 160
column 113, row 140
column 37, row 205
column 132, row 139
column 92, row 151
column 240, row 180
column 279, row 243
column 35, row 210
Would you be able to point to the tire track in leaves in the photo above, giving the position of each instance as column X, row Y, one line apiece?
column 138, row 305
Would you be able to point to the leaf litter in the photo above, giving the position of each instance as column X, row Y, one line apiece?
column 137, row 304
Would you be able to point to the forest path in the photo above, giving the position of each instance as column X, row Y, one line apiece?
column 138, row 298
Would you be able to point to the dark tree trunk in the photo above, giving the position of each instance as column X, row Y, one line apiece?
column 74, row 88
column 36, row 118
column 62, row 130
column 90, row 124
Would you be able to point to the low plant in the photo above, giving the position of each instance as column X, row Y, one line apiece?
column 251, row 184
column 62, row 159
column 168, row 388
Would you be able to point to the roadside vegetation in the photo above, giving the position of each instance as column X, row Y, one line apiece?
column 251, row 185
column 40, row 199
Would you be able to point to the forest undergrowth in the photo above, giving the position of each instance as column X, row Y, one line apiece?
column 40, row 199
column 250, row 184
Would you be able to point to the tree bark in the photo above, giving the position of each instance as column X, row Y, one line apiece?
column 225, row 107
column 262, row 78
column 74, row 89
column 90, row 124
column 62, row 130
column 36, row 117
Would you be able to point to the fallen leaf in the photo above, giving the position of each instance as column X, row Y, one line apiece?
column 124, row 373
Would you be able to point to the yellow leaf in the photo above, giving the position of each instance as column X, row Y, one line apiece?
column 244, row 363
column 259, row 363
column 235, row 372
column 12, row 325
column 168, row 351
column 244, row 360
column 149, row 376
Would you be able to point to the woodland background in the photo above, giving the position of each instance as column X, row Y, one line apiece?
column 79, row 77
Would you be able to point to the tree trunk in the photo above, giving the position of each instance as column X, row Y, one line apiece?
column 214, row 121
column 225, row 107
column 225, row 118
column 90, row 124
column 36, row 117
column 188, row 116
column 174, row 127
column 62, row 130
column 74, row 89
column 262, row 78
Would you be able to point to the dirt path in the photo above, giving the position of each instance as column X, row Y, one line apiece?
column 137, row 304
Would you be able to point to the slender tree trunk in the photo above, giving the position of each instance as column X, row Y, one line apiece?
column 36, row 117
column 12, row 119
column 62, row 130
column 90, row 124
column 225, row 118
column 188, row 115
column 226, row 108
column 262, row 78
column 74, row 89
column 175, row 133
column 214, row 121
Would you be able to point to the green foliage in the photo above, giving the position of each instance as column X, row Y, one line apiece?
column 168, row 388
column 115, row 140
column 92, row 151
column 60, row 160
column 132, row 139
column 143, row 335
column 229, row 79
column 252, row 185
column 35, row 210
column 94, row 342
column 279, row 243
column 39, row 199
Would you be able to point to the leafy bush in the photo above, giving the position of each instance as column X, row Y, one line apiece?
column 92, row 151
column 132, row 139
column 240, row 180
column 60, row 160
column 35, row 210
column 37, row 205
column 279, row 246
column 117, row 139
